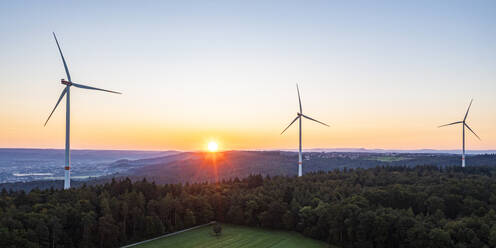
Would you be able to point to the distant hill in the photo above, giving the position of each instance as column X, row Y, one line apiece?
column 204, row 166
column 77, row 154
column 365, row 150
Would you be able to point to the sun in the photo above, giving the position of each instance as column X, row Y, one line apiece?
column 212, row 146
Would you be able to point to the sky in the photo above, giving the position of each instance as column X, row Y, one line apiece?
column 383, row 74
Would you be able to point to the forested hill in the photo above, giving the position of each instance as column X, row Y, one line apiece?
column 396, row 206
column 204, row 166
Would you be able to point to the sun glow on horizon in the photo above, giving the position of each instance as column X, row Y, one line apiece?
column 212, row 146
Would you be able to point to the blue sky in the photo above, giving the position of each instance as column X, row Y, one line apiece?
column 383, row 73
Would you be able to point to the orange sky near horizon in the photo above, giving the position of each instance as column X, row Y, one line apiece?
column 156, row 135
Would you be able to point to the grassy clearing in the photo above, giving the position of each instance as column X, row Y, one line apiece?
column 388, row 158
column 235, row 236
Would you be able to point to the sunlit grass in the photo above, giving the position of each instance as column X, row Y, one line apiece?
column 235, row 236
column 388, row 158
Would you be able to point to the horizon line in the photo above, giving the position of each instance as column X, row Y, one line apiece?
column 336, row 149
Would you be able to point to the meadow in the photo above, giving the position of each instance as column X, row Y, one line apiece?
column 235, row 236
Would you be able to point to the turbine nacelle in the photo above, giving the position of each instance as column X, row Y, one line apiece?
column 63, row 81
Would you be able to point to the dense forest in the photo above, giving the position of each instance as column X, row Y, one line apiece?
column 423, row 206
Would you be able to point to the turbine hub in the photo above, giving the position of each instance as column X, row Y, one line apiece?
column 63, row 81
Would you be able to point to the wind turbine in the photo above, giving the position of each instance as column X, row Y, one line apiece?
column 299, row 116
column 66, row 91
column 464, row 124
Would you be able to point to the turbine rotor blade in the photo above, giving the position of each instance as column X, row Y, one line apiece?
column 458, row 122
column 60, row 99
column 290, row 124
column 314, row 120
column 466, row 114
column 93, row 88
column 63, row 60
column 472, row 131
column 299, row 99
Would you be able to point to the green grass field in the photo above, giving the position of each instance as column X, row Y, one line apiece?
column 388, row 158
column 235, row 236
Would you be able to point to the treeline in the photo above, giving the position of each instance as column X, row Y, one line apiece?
column 380, row 207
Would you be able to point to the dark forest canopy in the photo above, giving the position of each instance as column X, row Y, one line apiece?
column 378, row 207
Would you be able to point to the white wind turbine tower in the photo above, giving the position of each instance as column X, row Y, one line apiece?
column 66, row 91
column 464, row 124
column 298, row 117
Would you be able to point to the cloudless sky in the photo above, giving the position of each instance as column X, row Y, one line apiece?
column 383, row 74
